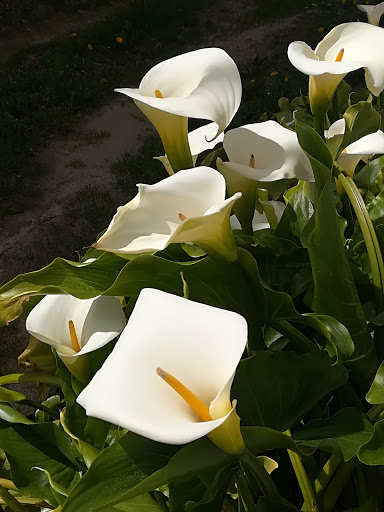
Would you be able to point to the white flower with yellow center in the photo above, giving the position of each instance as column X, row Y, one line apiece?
column 203, row 84
column 76, row 327
column 260, row 152
column 189, row 206
column 169, row 376
column 373, row 12
column 345, row 48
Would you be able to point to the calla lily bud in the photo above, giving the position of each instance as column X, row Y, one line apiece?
column 169, row 376
column 345, row 48
column 260, row 152
column 189, row 206
column 373, row 12
column 199, row 140
column 76, row 327
column 203, row 84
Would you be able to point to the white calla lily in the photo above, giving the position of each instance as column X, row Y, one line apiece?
column 189, row 206
column 373, row 12
column 203, row 84
column 361, row 149
column 76, row 327
column 345, row 48
column 260, row 220
column 199, row 140
column 260, row 152
column 198, row 344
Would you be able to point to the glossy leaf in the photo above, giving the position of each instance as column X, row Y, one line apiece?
column 280, row 403
column 360, row 119
column 375, row 393
column 334, row 292
column 343, row 434
column 44, row 445
column 372, row 453
column 8, row 413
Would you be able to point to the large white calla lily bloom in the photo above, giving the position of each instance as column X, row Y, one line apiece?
column 260, row 220
column 374, row 12
column 189, row 206
column 260, row 152
column 199, row 140
column 76, row 327
column 361, row 149
column 198, row 345
column 203, row 84
column 345, row 48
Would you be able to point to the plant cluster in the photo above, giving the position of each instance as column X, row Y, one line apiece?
column 219, row 347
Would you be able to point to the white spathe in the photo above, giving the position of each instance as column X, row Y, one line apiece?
column 189, row 206
column 361, row 149
column 203, row 84
column 362, row 44
column 373, row 12
column 199, row 140
column 276, row 151
column 97, row 321
column 198, row 344
column 260, row 220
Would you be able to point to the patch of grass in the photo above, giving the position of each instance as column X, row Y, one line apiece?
column 46, row 89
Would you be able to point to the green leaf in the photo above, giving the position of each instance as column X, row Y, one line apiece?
column 7, row 395
column 375, row 394
column 343, row 434
column 360, row 119
column 280, row 403
column 367, row 176
column 8, row 413
column 81, row 280
column 299, row 198
column 313, row 144
column 369, row 506
column 334, row 291
column 44, row 445
column 372, row 453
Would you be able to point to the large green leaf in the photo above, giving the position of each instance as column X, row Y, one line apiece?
column 60, row 276
column 269, row 505
column 280, row 402
column 8, row 413
column 344, row 433
column 43, row 445
column 375, row 393
column 334, row 292
column 360, row 120
column 372, row 453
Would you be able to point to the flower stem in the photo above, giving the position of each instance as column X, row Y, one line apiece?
column 303, row 480
column 262, row 477
column 337, row 484
column 161, row 501
column 370, row 238
column 244, row 493
column 41, row 407
column 11, row 501
column 319, row 121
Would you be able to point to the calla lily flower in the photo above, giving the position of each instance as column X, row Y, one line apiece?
column 361, row 149
column 374, row 12
column 203, row 84
column 260, row 152
column 260, row 220
column 189, row 206
column 76, row 327
column 345, row 48
column 199, row 140
column 172, row 338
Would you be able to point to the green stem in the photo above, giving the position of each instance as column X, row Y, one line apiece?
column 244, row 493
column 337, row 484
column 319, row 121
column 374, row 412
column 326, row 474
column 298, row 340
column 303, row 480
column 262, row 477
column 370, row 238
column 11, row 501
column 161, row 501
column 37, row 405
column 41, row 377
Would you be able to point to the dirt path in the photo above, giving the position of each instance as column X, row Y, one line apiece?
column 54, row 27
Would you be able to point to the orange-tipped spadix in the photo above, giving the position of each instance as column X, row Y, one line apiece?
column 74, row 339
column 340, row 55
column 194, row 403
column 158, row 94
